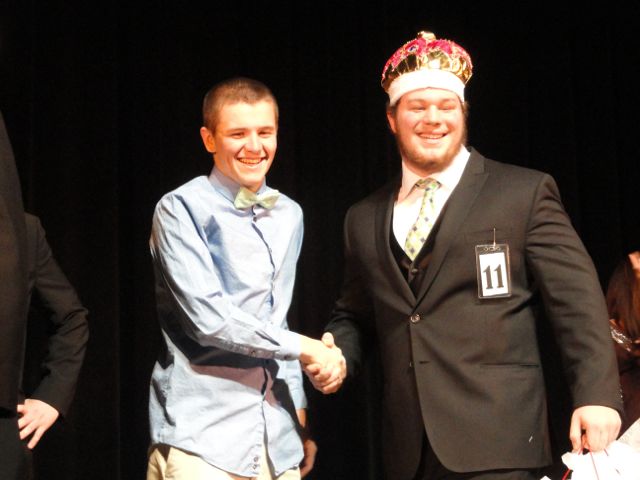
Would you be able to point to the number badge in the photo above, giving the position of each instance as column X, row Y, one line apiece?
column 493, row 271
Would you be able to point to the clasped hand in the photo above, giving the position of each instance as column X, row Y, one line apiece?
column 324, row 364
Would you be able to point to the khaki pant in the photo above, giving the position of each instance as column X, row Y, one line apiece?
column 169, row 463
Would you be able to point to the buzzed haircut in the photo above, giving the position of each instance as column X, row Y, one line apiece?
column 234, row 90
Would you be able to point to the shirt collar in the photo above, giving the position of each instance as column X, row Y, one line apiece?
column 227, row 187
column 448, row 178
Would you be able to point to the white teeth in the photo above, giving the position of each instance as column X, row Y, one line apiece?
column 250, row 161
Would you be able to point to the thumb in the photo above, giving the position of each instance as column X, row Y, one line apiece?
column 312, row 368
column 328, row 340
column 575, row 433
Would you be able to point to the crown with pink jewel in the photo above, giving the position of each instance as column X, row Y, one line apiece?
column 426, row 62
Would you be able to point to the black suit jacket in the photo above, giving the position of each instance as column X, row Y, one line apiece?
column 13, row 276
column 57, row 329
column 468, row 371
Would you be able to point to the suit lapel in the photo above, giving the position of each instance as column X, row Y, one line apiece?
column 384, row 213
column 456, row 210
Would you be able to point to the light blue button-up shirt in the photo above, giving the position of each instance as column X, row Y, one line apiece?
column 229, row 379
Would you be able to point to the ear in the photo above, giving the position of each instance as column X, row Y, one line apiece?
column 392, row 120
column 208, row 140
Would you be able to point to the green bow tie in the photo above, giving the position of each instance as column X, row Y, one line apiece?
column 246, row 198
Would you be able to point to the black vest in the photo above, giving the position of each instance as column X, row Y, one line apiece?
column 415, row 271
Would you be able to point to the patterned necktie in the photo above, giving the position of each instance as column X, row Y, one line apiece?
column 426, row 218
column 245, row 198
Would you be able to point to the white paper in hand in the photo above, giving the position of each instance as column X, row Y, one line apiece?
column 619, row 462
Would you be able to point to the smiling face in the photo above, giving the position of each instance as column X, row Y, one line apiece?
column 244, row 141
column 430, row 128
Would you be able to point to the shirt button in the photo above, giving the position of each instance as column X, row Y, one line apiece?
column 415, row 318
column 256, row 459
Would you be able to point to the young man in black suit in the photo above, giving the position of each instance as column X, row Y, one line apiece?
column 448, row 270
column 29, row 275
column 13, row 310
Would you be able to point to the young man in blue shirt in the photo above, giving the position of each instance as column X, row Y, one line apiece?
column 227, row 399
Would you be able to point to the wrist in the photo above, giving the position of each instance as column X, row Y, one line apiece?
column 307, row 349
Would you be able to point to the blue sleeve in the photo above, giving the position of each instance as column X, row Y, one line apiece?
column 185, row 267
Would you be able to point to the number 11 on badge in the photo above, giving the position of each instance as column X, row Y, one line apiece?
column 493, row 271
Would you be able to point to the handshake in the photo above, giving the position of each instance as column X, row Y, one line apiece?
column 323, row 363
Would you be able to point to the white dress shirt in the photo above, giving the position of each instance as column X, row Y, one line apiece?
column 409, row 201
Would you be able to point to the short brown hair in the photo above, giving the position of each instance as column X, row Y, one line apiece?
column 234, row 90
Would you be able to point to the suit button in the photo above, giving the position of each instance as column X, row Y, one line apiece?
column 414, row 271
column 415, row 318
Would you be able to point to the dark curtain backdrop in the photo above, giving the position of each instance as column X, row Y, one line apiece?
column 102, row 103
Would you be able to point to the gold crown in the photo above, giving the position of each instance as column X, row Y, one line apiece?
column 427, row 52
